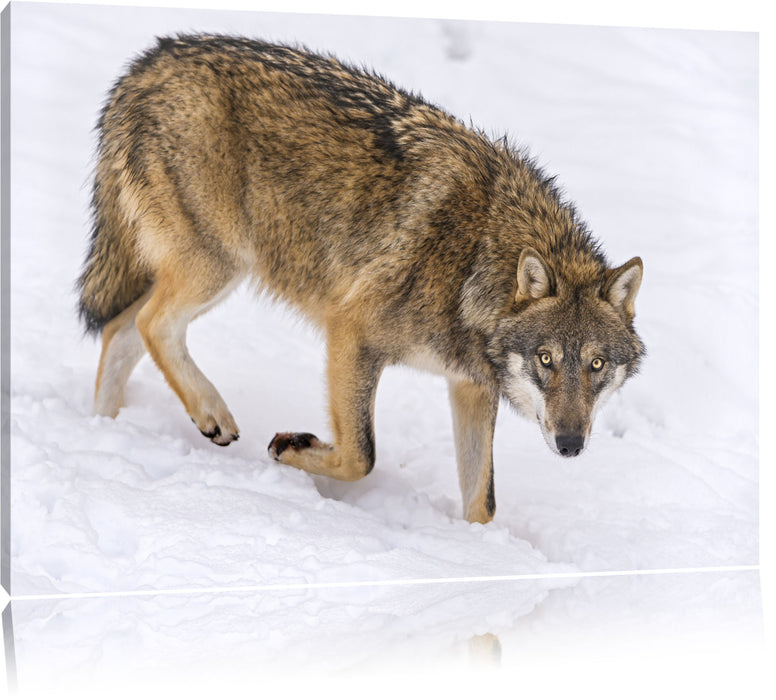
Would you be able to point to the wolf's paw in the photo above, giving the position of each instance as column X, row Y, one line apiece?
column 293, row 442
column 220, row 433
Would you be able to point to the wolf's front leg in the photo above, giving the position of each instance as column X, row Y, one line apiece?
column 474, row 419
column 353, row 373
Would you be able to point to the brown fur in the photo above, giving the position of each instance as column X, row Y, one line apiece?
column 405, row 235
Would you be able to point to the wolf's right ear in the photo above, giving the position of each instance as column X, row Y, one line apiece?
column 622, row 287
column 533, row 280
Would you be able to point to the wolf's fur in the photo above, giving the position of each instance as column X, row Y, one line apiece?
column 408, row 237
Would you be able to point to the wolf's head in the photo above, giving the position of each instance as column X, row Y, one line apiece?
column 565, row 348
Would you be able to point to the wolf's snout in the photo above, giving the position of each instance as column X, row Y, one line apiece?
column 570, row 445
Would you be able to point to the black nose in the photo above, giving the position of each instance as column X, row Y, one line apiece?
column 570, row 445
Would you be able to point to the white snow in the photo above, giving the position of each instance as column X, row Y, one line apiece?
column 653, row 134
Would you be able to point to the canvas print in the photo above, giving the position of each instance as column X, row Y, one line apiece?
column 478, row 299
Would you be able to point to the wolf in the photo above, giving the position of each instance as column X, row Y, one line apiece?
column 406, row 235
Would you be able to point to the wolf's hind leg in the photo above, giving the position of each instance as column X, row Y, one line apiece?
column 176, row 300
column 122, row 348
column 474, row 419
column 353, row 373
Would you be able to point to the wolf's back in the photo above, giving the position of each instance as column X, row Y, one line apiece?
column 174, row 137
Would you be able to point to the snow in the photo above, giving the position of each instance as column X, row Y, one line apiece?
column 654, row 136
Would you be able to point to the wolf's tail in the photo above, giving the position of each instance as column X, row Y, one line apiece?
column 113, row 276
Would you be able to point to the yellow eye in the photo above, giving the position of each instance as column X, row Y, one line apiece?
column 597, row 364
column 546, row 359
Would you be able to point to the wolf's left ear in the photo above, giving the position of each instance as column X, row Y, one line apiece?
column 622, row 287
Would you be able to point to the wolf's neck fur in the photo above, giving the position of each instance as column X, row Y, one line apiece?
column 534, row 214
column 527, row 210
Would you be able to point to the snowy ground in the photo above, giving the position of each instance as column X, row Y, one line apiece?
column 652, row 133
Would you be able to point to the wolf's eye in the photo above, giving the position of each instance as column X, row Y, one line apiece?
column 546, row 359
column 597, row 364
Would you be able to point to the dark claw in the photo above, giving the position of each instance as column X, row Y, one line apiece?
column 282, row 441
column 214, row 433
column 301, row 440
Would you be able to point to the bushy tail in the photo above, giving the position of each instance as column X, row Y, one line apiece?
column 112, row 277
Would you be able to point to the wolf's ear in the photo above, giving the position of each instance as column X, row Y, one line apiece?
column 622, row 287
column 533, row 280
